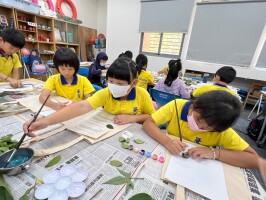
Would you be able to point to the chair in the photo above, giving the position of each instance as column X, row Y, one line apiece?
column 97, row 87
column 25, row 62
column 84, row 71
column 162, row 98
column 259, row 103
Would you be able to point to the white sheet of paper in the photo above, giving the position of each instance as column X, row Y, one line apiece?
column 205, row 177
column 21, row 89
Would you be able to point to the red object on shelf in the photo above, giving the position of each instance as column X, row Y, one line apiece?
column 101, row 35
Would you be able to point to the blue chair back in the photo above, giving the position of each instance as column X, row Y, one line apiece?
column 25, row 59
column 162, row 98
column 84, row 71
column 195, row 78
column 97, row 87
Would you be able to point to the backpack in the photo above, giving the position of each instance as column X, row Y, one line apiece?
column 254, row 128
column 35, row 62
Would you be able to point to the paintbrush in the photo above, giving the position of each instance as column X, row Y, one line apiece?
column 178, row 123
column 24, row 135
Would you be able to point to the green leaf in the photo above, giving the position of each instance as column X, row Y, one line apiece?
column 142, row 196
column 25, row 196
column 121, row 139
column 4, row 190
column 115, row 163
column 118, row 180
column 124, row 145
column 124, row 173
column 127, row 140
column 54, row 161
column 110, row 126
column 139, row 141
column 129, row 185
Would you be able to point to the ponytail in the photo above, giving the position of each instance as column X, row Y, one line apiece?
column 174, row 67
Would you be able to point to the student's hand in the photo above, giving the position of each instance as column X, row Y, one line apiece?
column 40, row 123
column 201, row 152
column 175, row 146
column 14, row 83
column 60, row 105
column 124, row 119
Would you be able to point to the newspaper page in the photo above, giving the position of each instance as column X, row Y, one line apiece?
column 93, row 158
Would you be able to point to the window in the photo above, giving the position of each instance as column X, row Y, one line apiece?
column 162, row 44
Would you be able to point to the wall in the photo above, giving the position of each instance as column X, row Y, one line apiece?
column 102, row 16
column 87, row 11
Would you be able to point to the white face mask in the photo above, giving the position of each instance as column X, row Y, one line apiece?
column 118, row 90
column 102, row 64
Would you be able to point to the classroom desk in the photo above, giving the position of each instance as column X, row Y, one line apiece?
column 96, row 158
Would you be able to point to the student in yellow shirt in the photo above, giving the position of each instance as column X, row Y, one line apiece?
column 223, row 77
column 121, row 98
column 205, row 121
column 145, row 78
column 67, row 83
column 11, row 41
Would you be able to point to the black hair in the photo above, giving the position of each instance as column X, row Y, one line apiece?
column 122, row 55
column 227, row 74
column 129, row 54
column 104, row 58
column 14, row 37
column 65, row 56
column 174, row 67
column 122, row 69
column 141, row 61
column 219, row 109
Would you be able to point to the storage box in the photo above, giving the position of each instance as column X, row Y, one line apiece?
column 69, row 37
column 22, row 5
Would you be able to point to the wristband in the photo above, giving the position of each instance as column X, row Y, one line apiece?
column 214, row 154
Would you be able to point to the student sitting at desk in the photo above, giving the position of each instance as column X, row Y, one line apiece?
column 121, row 98
column 171, row 83
column 223, row 77
column 11, row 41
column 97, row 68
column 205, row 121
column 145, row 78
column 67, row 83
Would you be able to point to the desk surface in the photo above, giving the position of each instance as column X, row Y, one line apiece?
column 95, row 158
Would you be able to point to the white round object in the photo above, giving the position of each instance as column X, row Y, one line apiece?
column 80, row 175
column 51, row 177
column 127, row 134
column 67, row 170
column 59, row 195
column 63, row 183
column 44, row 191
column 76, row 189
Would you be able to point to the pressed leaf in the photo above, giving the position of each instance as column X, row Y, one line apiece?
column 4, row 190
column 110, row 126
column 124, row 145
column 25, row 195
column 54, row 161
column 142, row 196
column 118, row 180
column 129, row 185
column 121, row 139
column 124, row 173
column 127, row 140
column 139, row 141
column 115, row 163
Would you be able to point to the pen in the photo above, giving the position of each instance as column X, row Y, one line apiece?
column 96, row 193
column 178, row 123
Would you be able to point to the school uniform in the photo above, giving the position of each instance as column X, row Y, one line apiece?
column 138, row 102
column 144, row 78
column 227, row 139
column 8, row 64
column 210, row 87
column 77, row 90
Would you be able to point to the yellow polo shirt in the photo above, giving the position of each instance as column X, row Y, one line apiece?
column 138, row 102
column 210, row 87
column 144, row 78
column 228, row 139
column 7, row 65
column 77, row 90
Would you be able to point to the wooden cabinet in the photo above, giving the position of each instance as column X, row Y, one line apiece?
column 254, row 92
column 7, row 17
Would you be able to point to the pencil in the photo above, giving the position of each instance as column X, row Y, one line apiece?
column 178, row 123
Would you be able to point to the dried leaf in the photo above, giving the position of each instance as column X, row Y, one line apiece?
column 115, row 163
column 124, row 145
column 54, row 161
column 110, row 126
column 142, row 196
column 139, row 141
column 121, row 139
column 124, row 173
column 118, row 180
column 129, row 185
column 25, row 195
